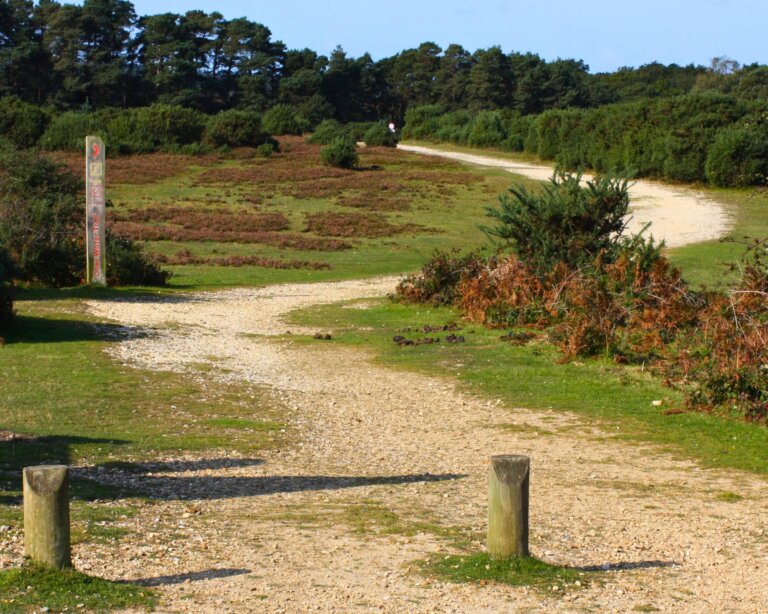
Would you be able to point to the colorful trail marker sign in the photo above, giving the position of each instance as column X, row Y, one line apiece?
column 95, row 218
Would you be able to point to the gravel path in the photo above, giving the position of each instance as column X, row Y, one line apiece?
column 678, row 215
column 287, row 532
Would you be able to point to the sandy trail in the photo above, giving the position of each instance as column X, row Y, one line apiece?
column 282, row 534
column 678, row 215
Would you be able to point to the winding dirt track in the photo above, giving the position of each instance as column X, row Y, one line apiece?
column 678, row 215
column 282, row 533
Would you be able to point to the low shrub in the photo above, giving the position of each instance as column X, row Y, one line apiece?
column 129, row 265
column 565, row 222
column 486, row 130
column 162, row 126
column 41, row 218
column 379, row 135
column 284, row 119
column 20, row 122
column 67, row 132
column 739, row 157
column 437, row 283
column 341, row 153
column 326, row 132
column 235, row 129
column 627, row 302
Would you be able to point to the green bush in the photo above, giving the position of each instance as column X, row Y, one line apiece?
column 422, row 122
column 20, row 122
column 342, row 152
column 284, row 119
column 486, row 130
column 564, row 223
column 265, row 150
column 357, row 130
column 738, row 157
column 162, row 126
column 235, row 129
column 379, row 135
column 128, row 265
column 326, row 132
column 41, row 218
column 67, row 131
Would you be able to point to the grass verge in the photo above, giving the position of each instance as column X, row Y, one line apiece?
column 32, row 586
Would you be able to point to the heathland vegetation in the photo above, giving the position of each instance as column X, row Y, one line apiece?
column 195, row 81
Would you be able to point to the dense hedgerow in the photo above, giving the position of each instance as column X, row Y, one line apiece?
column 158, row 128
column 695, row 137
column 626, row 301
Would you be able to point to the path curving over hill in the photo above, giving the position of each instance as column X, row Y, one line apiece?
column 323, row 524
column 678, row 215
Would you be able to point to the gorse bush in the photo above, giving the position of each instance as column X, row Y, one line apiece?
column 694, row 137
column 379, row 135
column 438, row 281
column 236, row 129
column 566, row 222
column 126, row 131
column 20, row 122
column 128, row 265
column 342, row 152
column 41, row 218
column 67, row 131
column 326, row 132
column 621, row 297
column 42, row 223
column 739, row 157
column 284, row 119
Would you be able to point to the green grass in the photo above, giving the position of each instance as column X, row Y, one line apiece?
column 75, row 405
column 619, row 397
column 515, row 571
column 707, row 263
column 455, row 211
column 30, row 587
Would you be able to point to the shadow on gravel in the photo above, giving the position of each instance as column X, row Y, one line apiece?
column 179, row 466
column 180, row 578
column 623, row 566
column 228, row 487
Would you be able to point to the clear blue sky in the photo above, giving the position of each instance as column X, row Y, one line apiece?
column 605, row 34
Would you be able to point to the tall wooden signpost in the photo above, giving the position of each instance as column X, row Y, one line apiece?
column 96, row 269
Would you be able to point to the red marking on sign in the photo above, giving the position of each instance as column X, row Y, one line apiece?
column 95, row 150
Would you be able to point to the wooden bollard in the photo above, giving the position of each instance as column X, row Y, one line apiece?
column 46, row 515
column 508, row 506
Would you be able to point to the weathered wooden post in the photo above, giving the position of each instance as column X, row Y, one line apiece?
column 46, row 515
column 508, row 506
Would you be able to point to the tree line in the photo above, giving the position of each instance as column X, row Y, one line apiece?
column 102, row 54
